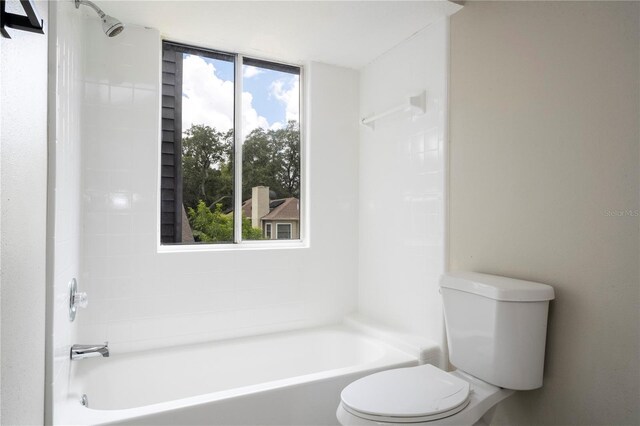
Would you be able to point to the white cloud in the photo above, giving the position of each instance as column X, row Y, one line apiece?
column 250, row 117
column 288, row 92
column 207, row 99
column 248, row 71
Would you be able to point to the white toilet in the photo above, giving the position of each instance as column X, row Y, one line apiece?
column 496, row 330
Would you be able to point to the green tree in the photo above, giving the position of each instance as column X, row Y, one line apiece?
column 217, row 227
column 272, row 158
column 259, row 163
column 210, row 226
column 206, row 166
column 248, row 231
column 288, row 147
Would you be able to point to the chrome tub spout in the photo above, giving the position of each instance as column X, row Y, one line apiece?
column 89, row 351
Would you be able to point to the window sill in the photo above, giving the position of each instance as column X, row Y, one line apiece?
column 245, row 245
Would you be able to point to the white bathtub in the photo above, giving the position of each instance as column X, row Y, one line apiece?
column 292, row 378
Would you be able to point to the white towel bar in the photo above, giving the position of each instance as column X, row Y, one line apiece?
column 417, row 104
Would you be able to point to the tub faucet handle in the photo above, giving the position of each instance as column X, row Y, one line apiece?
column 80, row 299
column 77, row 299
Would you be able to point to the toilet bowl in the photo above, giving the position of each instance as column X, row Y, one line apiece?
column 421, row 395
column 496, row 331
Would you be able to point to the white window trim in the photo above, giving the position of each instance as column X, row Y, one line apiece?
column 238, row 140
column 304, row 240
column 268, row 226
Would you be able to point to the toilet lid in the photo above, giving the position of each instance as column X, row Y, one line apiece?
column 417, row 392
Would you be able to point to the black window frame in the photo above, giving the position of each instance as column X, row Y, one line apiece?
column 171, row 177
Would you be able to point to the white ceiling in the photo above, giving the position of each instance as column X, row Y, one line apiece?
column 346, row 33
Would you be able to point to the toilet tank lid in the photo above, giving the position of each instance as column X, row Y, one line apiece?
column 497, row 287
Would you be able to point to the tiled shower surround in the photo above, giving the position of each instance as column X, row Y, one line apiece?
column 401, row 187
column 375, row 201
column 140, row 298
column 64, row 218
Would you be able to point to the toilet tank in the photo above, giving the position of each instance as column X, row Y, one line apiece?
column 496, row 327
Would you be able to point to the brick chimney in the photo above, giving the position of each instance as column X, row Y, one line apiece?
column 259, row 205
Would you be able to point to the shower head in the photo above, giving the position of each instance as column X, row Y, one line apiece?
column 110, row 25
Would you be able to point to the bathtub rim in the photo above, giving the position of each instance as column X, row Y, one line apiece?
column 71, row 411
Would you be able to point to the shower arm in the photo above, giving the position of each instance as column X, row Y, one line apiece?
column 91, row 5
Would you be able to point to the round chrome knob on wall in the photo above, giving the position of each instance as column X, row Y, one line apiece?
column 76, row 299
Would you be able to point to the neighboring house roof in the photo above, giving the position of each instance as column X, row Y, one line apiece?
column 187, row 233
column 281, row 209
column 288, row 209
column 246, row 208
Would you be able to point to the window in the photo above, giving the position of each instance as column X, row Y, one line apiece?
column 283, row 231
column 230, row 158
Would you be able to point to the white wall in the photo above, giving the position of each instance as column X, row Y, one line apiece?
column 545, row 108
column 140, row 298
column 401, row 218
column 63, row 233
column 23, row 166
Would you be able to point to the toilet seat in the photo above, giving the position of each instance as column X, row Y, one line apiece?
column 407, row 395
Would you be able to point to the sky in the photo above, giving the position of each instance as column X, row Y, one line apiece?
column 269, row 98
